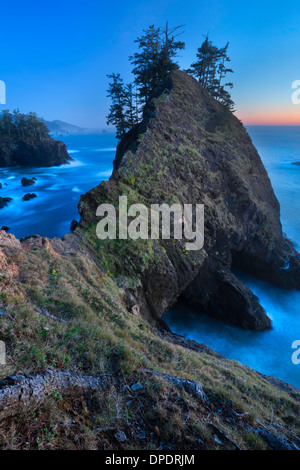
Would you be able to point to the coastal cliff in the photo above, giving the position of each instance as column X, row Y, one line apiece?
column 190, row 150
column 89, row 364
column 36, row 153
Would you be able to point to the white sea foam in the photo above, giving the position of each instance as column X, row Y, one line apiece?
column 77, row 190
column 111, row 149
column 73, row 163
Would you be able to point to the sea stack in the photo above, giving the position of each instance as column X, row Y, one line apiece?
column 190, row 149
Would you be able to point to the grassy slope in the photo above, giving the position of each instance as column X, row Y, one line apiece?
column 101, row 336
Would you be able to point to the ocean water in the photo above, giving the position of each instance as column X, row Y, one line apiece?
column 58, row 189
column 269, row 352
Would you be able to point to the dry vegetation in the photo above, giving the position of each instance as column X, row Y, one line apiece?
column 99, row 336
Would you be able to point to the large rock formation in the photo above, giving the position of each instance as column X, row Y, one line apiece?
column 47, row 152
column 189, row 149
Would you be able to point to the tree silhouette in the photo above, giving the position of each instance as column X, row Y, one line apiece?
column 210, row 70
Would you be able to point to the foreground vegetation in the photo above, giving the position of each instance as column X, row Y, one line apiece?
column 100, row 336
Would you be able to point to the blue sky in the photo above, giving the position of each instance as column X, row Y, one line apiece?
column 55, row 55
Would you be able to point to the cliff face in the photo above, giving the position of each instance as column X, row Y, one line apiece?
column 189, row 150
column 33, row 153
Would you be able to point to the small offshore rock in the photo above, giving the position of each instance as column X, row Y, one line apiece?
column 27, row 181
column 29, row 196
column 4, row 201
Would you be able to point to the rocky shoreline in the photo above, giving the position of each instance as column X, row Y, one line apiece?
column 33, row 153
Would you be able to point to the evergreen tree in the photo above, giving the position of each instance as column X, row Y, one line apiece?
column 169, row 50
column 154, row 61
column 7, row 125
column 117, row 112
column 132, row 106
column 146, row 62
column 210, row 70
column 35, row 127
column 17, row 125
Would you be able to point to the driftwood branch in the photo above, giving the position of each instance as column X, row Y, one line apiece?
column 21, row 393
column 190, row 386
column 224, row 437
column 44, row 311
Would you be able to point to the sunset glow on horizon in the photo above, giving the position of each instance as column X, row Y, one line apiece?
column 269, row 121
column 270, row 117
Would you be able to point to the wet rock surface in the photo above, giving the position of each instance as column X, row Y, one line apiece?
column 4, row 201
column 29, row 196
column 27, row 181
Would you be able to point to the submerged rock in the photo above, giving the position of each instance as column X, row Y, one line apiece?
column 29, row 196
column 27, row 181
column 4, row 201
column 190, row 150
